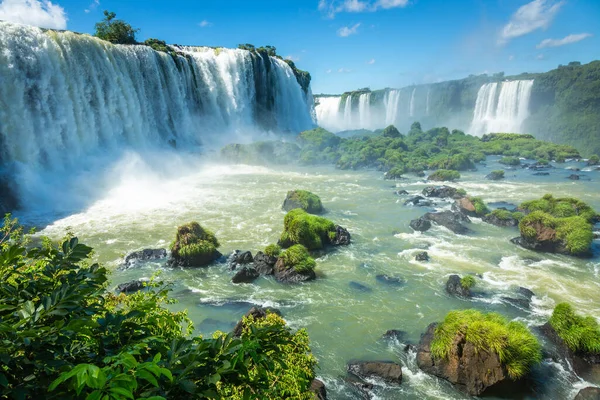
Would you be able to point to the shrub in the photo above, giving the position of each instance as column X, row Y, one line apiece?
column 467, row 282
column 158, row 45
column 298, row 257
column 543, row 161
column 581, row 334
column 391, row 132
column 194, row 245
column 480, row 206
column 273, row 250
column 575, row 232
column 115, row 30
column 444, row 175
column 512, row 161
column 517, row 348
column 311, row 231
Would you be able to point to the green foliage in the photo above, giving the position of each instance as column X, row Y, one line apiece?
column 497, row 174
column 261, row 153
column 458, row 162
column 480, row 206
column 308, row 201
column 517, row 348
column 513, row 161
column 115, row 30
column 581, row 334
column 297, row 256
column 311, row 231
column 467, row 282
column 194, row 245
column 273, row 250
column 543, row 161
column 64, row 336
column 444, row 175
column 391, row 132
column 561, row 207
column 505, row 215
column 395, row 173
column 594, row 160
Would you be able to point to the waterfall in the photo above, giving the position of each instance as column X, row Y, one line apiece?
column 501, row 107
column 328, row 113
column 427, row 104
column 390, row 101
column 411, row 107
column 364, row 110
column 348, row 113
column 65, row 96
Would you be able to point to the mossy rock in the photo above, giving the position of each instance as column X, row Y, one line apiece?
column 295, row 265
column 503, row 217
column 303, row 199
column 510, row 161
column 444, row 175
column 471, row 206
column 194, row 246
column 561, row 207
column 495, row 175
column 311, row 231
column 580, row 333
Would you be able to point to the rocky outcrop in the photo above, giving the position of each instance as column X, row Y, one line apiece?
column 495, row 175
column 422, row 256
column 494, row 219
column 318, row 388
column 131, row 286
column 245, row 274
column 522, row 299
column 442, row 191
column 465, row 206
column 545, row 241
column 341, row 238
column 454, row 287
column 401, row 192
column 469, row 370
column 144, row 255
column 418, row 201
column 388, row 371
column 264, row 264
column 394, row 334
column 239, row 258
column 448, row 219
column 309, row 202
column 288, row 274
column 589, row 393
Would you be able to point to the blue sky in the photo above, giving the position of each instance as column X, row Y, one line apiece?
column 348, row 44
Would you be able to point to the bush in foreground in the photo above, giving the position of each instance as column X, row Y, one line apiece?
column 581, row 334
column 516, row 346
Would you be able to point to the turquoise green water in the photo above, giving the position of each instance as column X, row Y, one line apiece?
column 242, row 204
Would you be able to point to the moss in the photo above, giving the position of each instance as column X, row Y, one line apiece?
column 444, row 175
column 467, row 282
column 194, row 245
column 505, row 215
column 516, row 346
column 461, row 192
column 298, row 257
column 273, row 250
column 542, row 161
column 513, row 161
column 480, row 206
column 497, row 175
column 575, row 232
column 306, row 200
column 311, row 231
column 581, row 334
column 561, row 207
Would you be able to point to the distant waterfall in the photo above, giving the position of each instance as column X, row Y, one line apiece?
column 501, row 107
column 348, row 111
column 427, row 105
column 391, row 102
column 328, row 113
column 411, row 107
column 364, row 109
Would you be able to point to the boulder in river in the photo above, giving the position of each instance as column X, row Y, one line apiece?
column 264, row 264
column 341, row 237
column 401, row 192
column 420, row 224
column 309, row 202
column 144, row 255
column 194, row 246
column 390, row 280
column 238, row 258
column 541, row 173
column 422, row 256
column 245, row 274
column 394, row 334
column 502, row 217
column 449, row 219
column 573, row 177
column 442, row 191
column 589, row 393
column 389, row 371
column 418, row 201
column 495, row 175
column 295, row 265
column 457, row 287
column 360, row 287
column 318, row 388
column 131, row 286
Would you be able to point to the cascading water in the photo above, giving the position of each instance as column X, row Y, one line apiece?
column 503, row 111
column 391, row 101
column 364, row 110
column 427, row 102
column 65, row 96
column 348, row 112
column 411, row 107
column 328, row 113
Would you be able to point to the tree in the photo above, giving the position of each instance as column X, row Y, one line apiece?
column 115, row 30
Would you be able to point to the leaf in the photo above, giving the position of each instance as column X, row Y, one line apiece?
column 213, row 379
column 122, row 392
column 147, row 376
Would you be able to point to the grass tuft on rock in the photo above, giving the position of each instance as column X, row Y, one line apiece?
column 561, row 207
column 576, row 232
column 444, row 175
column 505, row 215
column 581, row 334
column 305, row 200
column 467, row 282
column 298, row 257
column 273, row 250
column 194, row 245
column 516, row 346
column 481, row 208
column 311, row 231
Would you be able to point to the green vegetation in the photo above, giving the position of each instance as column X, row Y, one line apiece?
column 513, row 161
column 308, row 201
column 574, row 233
column 273, row 250
column 261, row 153
column 65, row 336
column 496, row 175
column 581, row 334
column 394, row 173
column 444, row 175
column 480, row 206
column 467, row 282
column 115, row 30
column 311, row 231
column 505, row 215
column 194, row 246
column 391, row 132
column 593, row 160
column 517, row 348
column 297, row 256
column 561, row 207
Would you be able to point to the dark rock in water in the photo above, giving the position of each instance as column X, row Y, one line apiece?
column 469, row 370
column 420, row 174
column 422, row 256
column 495, row 220
column 264, row 264
column 546, row 240
column 522, row 303
column 287, row 274
column 420, row 224
column 144, row 255
column 573, row 177
column 318, row 388
column 390, row 280
column 448, row 219
column 130, row 287
column 585, row 364
column 401, row 192
column 394, row 334
column 440, row 191
column 541, row 173
column 309, row 202
column 418, row 201
column 238, row 258
column 525, row 292
column 495, row 175
column 361, row 388
column 455, row 288
column 245, row 274
column 388, row 371
column 360, row 287
column 503, row 205
column 342, row 237
column 589, row 393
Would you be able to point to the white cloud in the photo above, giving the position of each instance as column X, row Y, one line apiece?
column 511, row 57
column 205, row 24
column 347, row 31
column 371, row 61
column 332, row 7
column 328, row 71
column 540, row 57
column 344, row 70
column 42, row 13
column 573, row 38
column 92, row 6
column 535, row 15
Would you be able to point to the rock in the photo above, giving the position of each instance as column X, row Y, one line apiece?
column 131, row 286
column 467, row 369
column 573, row 177
column 286, row 274
column 503, row 205
column 362, row 388
column 465, row 206
column 525, row 292
column 418, row 201
column 238, row 258
column 342, row 237
column 442, row 191
column 401, row 192
column 455, row 288
column 264, row 264
column 388, row 371
column 495, row 220
column 450, row 220
column 246, row 274
column 589, row 393
column 303, row 199
column 318, row 388
column 394, row 334
column 144, row 255
column 541, row 173
column 360, row 287
column 390, row 280
column 495, row 175
column 422, row 256
column 420, row 224
column 522, row 303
